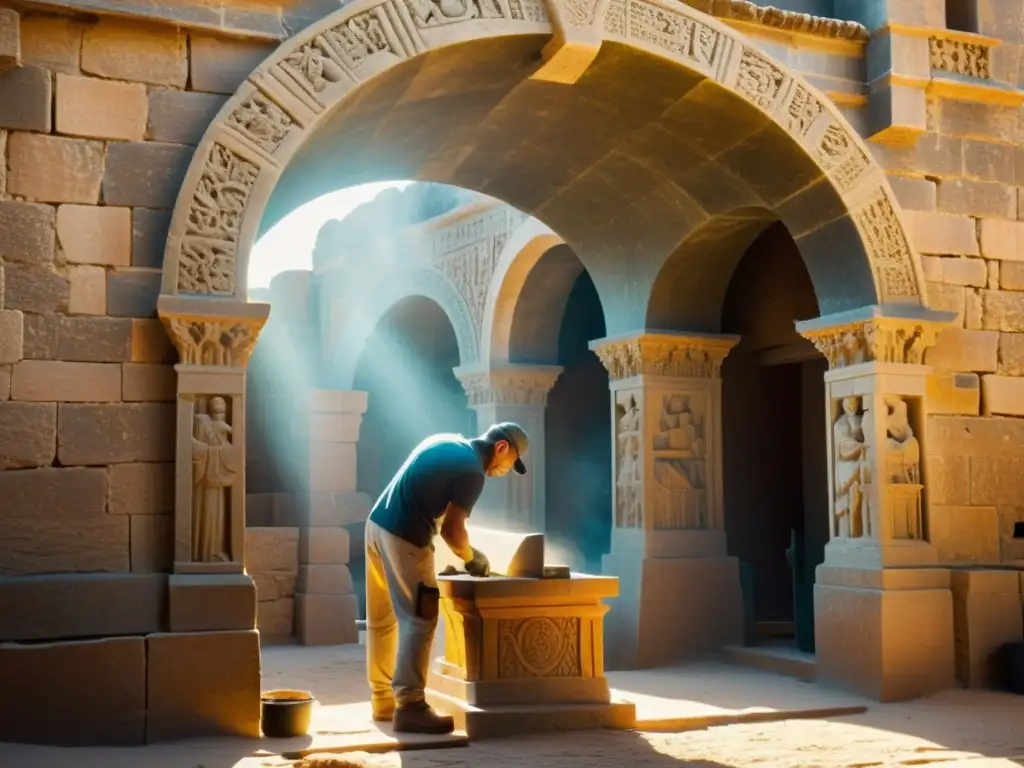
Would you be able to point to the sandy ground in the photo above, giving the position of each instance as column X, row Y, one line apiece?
column 973, row 729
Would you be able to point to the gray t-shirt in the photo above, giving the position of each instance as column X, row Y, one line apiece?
column 442, row 470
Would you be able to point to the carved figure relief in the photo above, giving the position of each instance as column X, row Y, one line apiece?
column 760, row 81
column 628, row 466
column 210, row 242
column 470, row 269
column 960, row 57
column 539, row 647
column 216, row 463
column 580, row 13
column 434, row 13
column 850, row 452
column 676, row 33
column 262, row 122
column 680, row 465
column 901, row 465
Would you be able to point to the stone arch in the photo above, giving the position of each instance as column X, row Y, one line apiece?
column 521, row 253
column 243, row 153
column 362, row 319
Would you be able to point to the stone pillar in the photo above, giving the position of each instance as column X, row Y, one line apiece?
column 516, row 393
column 679, row 590
column 883, row 611
column 326, row 607
column 211, row 600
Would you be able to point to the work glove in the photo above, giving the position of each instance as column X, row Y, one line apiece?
column 479, row 565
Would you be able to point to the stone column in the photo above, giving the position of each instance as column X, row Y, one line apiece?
column 517, row 393
column 883, row 612
column 679, row 590
column 326, row 607
column 212, row 600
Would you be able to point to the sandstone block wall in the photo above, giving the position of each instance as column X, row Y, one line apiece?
column 272, row 559
column 96, row 130
column 960, row 189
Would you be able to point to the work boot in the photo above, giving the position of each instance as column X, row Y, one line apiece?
column 418, row 717
column 383, row 709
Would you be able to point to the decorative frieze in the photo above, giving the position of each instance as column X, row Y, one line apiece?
column 511, row 385
column 789, row 21
column 664, row 354
column 960, row 57
column 874, row 340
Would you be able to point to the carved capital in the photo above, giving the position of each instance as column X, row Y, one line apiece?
column 690, row 356
column 508, row 385
column 873, row 338
column 210, row 332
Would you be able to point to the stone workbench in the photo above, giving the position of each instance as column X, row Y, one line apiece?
column 524, row 653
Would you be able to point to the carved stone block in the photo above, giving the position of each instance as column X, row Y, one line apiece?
column 524, row 641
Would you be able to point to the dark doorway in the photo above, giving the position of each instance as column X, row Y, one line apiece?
column 578, row 427
column 775, row 472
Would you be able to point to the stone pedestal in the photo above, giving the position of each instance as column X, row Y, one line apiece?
column 680, row 591
column 517, row 393
column 525, row 655
column 326, row 607
column 883, row 610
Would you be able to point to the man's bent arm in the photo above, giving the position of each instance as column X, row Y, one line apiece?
column 454, row 533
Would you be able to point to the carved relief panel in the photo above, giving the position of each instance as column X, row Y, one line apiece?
column 876, row 466
column 542, row 646
column 679, row 444
column 629, row 478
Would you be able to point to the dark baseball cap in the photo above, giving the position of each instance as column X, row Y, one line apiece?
column 516, row 437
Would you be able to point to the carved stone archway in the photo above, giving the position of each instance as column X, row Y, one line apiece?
column 244, row 152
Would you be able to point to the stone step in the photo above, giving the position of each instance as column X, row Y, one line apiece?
column 780, row 659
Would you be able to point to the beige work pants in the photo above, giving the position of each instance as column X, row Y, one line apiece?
column 398, row 637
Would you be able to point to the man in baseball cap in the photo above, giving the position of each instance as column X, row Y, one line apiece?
column 433, row 492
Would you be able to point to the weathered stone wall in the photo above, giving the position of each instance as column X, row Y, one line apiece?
column 958, row 186
column 96, row 130
column 98, row 127
column 272, row 559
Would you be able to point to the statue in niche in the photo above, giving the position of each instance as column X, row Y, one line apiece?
column 903, row 451
column 680, row 495
column 901, row 463
column 215, row 467
column 852, row 471
column 627, row 473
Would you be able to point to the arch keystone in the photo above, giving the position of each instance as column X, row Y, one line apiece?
column 576, row 42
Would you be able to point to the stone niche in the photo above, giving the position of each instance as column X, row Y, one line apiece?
column 524, row 654
column 877, row 468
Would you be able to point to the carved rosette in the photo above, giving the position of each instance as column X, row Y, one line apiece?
column 689, row 357
column 216, row 341
column 518, row 385
column 878, row 340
